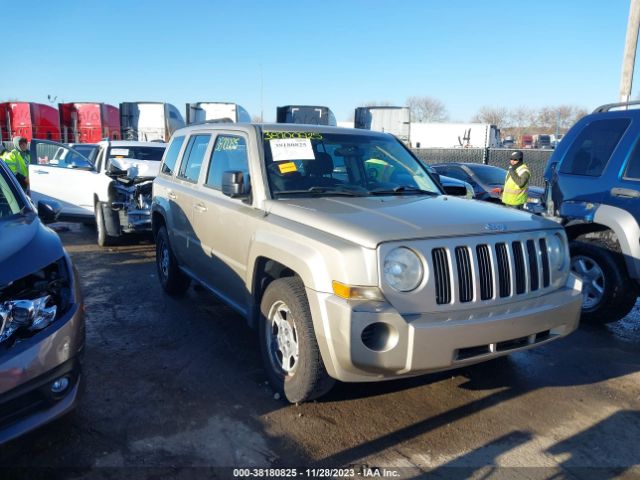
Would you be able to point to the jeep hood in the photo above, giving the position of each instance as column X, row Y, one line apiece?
column 27, row 246
column 369, row 221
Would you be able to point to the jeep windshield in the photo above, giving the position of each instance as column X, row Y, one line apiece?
column 317, row 163
column 10, row 202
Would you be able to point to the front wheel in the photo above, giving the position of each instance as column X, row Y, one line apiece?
column 103, row 238
column 608, row 294
column 290, row 352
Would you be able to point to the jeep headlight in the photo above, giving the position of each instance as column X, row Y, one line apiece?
column 556, row 251
column 402, row 269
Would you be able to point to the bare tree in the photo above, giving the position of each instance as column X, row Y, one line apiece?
column 427, row 109
column 494, row 115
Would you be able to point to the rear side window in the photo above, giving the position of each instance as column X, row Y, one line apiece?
column 229, row 153
column 633, row 165
column 193, row 157
column 592, row 150
column 171, row 158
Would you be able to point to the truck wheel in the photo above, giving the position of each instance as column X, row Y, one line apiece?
column 104, row 240
column 608, row 293
column 173, row 281
column 290, row 352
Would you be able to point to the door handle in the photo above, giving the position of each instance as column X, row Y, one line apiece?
column 41, row 172
column 625, row 192
column 200, row 207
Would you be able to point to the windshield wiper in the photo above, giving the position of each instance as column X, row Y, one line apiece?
column 325, row 191
column 402, row 190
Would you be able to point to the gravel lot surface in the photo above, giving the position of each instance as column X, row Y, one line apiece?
column 175, row 389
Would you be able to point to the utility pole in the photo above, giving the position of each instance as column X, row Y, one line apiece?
column 630, row 51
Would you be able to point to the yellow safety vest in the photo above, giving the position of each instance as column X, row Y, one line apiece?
column 16, row 163
column 512, row 194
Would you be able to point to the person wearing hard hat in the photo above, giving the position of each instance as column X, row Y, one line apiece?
column 516, row 183
column 18, row 161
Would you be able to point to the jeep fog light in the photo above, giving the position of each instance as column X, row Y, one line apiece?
column 350, row 292
column 402, row 269
column 555, row 249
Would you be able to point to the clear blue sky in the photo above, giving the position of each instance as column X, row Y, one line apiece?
column 342, row 54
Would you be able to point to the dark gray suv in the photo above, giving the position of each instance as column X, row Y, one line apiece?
column 41, row 315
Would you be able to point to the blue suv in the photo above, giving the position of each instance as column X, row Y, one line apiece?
column 593, row 188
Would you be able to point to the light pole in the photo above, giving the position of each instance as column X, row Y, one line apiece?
column 630, row 51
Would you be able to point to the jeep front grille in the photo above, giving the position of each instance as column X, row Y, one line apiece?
column 483, row 272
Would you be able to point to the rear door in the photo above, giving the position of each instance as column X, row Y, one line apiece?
column 625, row 188
column 60, row 173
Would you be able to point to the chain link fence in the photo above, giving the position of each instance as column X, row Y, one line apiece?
column 536, row 159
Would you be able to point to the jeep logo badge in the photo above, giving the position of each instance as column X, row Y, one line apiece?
column 495, row 227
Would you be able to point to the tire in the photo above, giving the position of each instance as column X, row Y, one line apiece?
column 608, row 292
column 295, row 369
column 173, row 281
column 104, row 240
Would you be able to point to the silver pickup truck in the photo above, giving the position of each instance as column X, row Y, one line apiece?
column 343, row 252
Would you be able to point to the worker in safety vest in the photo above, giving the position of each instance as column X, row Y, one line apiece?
column 18, row 161
column 516, row 183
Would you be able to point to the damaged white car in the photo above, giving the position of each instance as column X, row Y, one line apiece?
column 109, row 183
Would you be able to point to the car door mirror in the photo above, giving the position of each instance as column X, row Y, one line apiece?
column 48, row 211
column 235, row 184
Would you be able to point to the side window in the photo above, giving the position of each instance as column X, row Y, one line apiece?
column 52, row 155
column 591, row 151
column 193, row 157
column 633, row 165
column 229, row 153
column 171, row 158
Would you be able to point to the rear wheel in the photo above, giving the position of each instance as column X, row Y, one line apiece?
column 608, row 294
column 290, row 352
column 173, row 281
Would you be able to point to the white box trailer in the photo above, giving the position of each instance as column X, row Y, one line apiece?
column 394, row 120
column 149, row 121
column 201, row 112
column 454, row 135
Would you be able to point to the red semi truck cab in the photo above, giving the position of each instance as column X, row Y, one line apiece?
column 29, row 120
column 89, row 122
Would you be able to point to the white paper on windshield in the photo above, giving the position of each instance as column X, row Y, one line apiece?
column 119, row 151
column 284, row 149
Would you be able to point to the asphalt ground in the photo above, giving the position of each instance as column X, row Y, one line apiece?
column 174, row 388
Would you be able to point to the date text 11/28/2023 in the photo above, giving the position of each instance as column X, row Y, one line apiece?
column 359, row 472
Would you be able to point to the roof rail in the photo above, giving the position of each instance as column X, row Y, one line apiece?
column 611, row 106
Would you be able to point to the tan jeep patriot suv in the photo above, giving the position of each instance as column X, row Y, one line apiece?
column 343, row 252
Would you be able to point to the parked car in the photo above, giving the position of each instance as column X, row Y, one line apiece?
column 111, row 186
column 593, row 189
column 365, row 273
column 41, row 316
column 450, row 185
column 487, row 182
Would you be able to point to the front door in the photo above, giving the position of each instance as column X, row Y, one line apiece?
column 60, row 173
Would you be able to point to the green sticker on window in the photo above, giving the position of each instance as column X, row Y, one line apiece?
column 275, row 135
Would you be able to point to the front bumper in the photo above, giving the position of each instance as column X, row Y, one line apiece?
column 425, row 343
column 28, row 369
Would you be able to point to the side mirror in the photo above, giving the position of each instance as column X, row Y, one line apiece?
column 48, row 211
column 234, row 185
